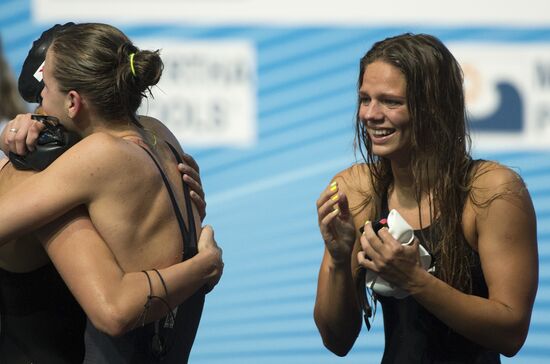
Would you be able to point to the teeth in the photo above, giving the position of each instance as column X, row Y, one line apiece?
column 382, row 132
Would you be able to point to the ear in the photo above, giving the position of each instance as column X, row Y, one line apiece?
column 73, row 103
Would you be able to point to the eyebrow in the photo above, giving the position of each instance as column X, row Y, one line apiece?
column 384, row 95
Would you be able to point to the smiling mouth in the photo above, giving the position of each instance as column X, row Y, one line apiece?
column 380, row 133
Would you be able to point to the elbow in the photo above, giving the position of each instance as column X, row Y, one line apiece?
column 338, row 349
column 338, row 344
column 513, row 347
column 110, row 320
column 515, row 340
column 511, row 350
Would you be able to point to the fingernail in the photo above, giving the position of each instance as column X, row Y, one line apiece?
column 337, row 210
column 334, row 186
column 334, row 197
column 367, row 222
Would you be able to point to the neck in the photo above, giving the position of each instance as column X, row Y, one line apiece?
column 119, row 129
column 404, row 188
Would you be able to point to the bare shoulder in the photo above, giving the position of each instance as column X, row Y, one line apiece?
column 355, row 179
column 356, row 183
column 160, row 130
column 98, row 155
column 491, row 180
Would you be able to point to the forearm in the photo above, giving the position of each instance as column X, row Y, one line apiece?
column 337, row 313
column 115, row 300
column 487, row 322
column 125, row 305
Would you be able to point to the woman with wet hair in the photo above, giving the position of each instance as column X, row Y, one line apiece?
column 475, row 218
column 149, row 263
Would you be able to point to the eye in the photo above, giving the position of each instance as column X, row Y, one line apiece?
column 364, row 99
column 393, row 102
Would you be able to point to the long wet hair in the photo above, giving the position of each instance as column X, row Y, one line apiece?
column 11, row 103
column 439, row 142
column 99, row 61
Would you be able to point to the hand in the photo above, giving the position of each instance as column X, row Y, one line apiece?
column 336, row 223
column 397, row 263
column 207, row 244
column 20, row 134
column 190, row 175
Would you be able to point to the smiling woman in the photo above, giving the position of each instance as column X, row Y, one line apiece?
column 475, row 218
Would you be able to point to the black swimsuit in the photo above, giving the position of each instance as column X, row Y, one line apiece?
column 413, row 335
column 41, row 321
column 178, row 329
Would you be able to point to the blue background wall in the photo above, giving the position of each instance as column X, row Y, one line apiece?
column 261, row 200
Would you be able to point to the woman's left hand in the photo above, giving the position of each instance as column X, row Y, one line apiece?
column 191, row 176
column 20, row 134
column 397, row 263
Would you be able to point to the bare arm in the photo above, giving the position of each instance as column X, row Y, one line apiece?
column 70, row 181
column 337, row 313
column 507, row 246
column 113, row 299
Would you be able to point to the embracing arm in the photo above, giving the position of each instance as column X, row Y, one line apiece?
column 113, row 299
column 70, row 181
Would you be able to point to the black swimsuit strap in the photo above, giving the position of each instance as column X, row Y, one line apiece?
column 189, row 240
column 187, row 193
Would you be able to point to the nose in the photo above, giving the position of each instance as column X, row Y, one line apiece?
column 372, row 111
column 41, row 96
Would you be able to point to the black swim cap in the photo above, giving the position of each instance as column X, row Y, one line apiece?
column 30, row 79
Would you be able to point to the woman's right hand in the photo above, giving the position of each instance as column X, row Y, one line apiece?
column 336, row 223
column 20, row 134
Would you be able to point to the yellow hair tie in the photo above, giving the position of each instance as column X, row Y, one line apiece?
column 132, row 64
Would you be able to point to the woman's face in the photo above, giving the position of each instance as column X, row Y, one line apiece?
column 383, row 110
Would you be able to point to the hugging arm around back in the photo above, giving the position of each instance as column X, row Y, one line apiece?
column 113, row 299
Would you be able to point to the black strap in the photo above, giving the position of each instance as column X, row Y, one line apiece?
column 187, row 193
column 189, row 241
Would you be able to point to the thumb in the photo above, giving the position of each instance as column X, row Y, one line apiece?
column 343, row 205
column 207, row 233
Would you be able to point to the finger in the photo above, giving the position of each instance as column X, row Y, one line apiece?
column 32, row 135
column 330, row 217
column 191, row 172
column 190, row 161
column 206, row 233
column 199, row 203
column 370, row 243
column 193, row 185
column 328, row 207
column 327, row 193
column 17, row 133
column 20, row 141
column 9, row 136
column 343, row 205
column 364, row 261
column 387, row 239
